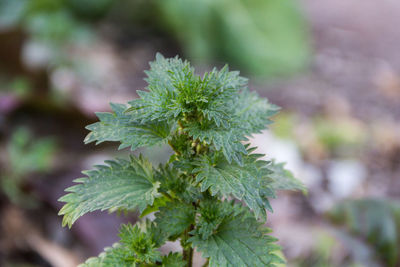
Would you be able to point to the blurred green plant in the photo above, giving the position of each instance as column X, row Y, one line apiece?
column 50, row 24
column 19, row 86
column 376, row 222
column 24, row 156
column 51, row 20
column 264, row 37
column 337, row 133
column 90, row 9
column 321, row 254
column 285, row 125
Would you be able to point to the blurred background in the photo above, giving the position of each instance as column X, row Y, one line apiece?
column 333, row 67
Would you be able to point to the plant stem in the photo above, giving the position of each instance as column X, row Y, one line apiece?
column 190, row 259
column 187, row 249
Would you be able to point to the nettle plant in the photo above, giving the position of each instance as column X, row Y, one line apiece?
column 212, row 194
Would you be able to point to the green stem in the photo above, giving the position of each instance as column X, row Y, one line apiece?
column 187, row 248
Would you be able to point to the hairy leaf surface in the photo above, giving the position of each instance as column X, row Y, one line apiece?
column 283, row 179
column 135, row 248
column 174, row 218
column 173, row 260
column 225, row 140
column 118, row 126
column 243, row 182
column 238, row 241
column 252, row 113
column 119, row 184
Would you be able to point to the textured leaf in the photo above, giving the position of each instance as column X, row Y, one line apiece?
column 243, row 182
column 164, row 78
column 283, row 179
column 120, row 184
column 174, row 90
column 218, row 87
column 225, row 140
column 216, row 108
column 175, row 218
column 248, row 114
column 252, row 113
column 99, row 261
column 118, row 126
column 173, row 260
column 238, row 241
column 135, row 247
column 173, row 183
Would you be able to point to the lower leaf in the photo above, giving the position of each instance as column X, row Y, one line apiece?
column 238, row 241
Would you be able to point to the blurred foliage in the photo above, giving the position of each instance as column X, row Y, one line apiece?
column 24, row 156
column 27, row 155
column 262, row 37
column 46, row 20
column 51, row 26
column 19, row 86
column 334, row 136
column 321, row 256
column 334, row 133
column 377, row 221
column 285, row 126
column 90, row 9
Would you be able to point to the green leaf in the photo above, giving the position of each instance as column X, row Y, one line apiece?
column 118, row 126
column 164, row 78
column 122, row 184
column 173, row 260
column 175, row 184
column 253, row 113
column 174, row 91
column 175, row 218
column 225, row 140
column 158, row 202
column 213, row 213
column 217, row 109
column 135, row 247
column 243, row 182
column 248, row 114
column 99, row 261
column 139, row 243
column 283, row 179
column 238, row 240
column 217, row 88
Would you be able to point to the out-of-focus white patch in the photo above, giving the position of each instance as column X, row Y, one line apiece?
column 36, row 55
column 287, row 151
column 279, row 149
column 345, row 176
column 95, row 159
column 63, row 80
